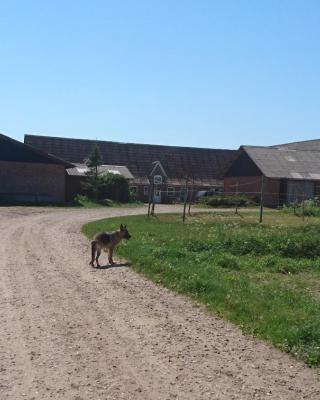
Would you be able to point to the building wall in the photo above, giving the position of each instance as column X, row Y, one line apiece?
column 73, row 186
column 251, row 186
column 32, row 181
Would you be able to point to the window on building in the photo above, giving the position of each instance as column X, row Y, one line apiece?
column 157, row 180
column 170, row 191
column 146, row 190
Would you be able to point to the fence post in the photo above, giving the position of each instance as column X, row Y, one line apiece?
column 150, row 198
column 261, row 199
column 185, row 201
column 303, row 197
column 191, row 199
column 237, row 186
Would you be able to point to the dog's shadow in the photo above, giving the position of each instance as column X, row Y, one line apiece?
column 117, row 265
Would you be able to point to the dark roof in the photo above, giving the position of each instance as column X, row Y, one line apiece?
column 202, row 164
column 310, row 145
column 282, row 162
column 12, row 150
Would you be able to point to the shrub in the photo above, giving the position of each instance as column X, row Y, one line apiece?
column 114, row 187
column 107, row 186
column 222, row 200
column 310, row 208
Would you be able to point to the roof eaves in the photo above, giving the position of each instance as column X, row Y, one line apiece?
column 36, row 151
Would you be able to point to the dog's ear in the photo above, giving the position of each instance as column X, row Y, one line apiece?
column 121, row 227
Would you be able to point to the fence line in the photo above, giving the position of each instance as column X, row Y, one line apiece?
column 260, row 198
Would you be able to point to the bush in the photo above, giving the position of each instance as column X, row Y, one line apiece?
column 222, row 200
column 114, row 187
column 310, row 208
column 108, row 186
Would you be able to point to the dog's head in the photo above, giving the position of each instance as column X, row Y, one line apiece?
column 124, row 232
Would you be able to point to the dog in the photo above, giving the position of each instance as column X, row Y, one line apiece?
column 107, row 241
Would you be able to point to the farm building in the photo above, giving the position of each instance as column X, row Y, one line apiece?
column 28, row 174
column 167, row 167
column 285, row 173
column 76, row 174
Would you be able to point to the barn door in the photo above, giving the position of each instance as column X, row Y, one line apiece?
column 157, row 196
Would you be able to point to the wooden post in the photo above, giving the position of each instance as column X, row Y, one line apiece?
column 237, row 185
column 152, row 209
column 185, row 201
column 261, row 199
column 153, row 202
column 191, row 198
column 150, row 196
column 303, row 197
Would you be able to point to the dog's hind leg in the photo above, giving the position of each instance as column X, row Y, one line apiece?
column 93, row 252
column 98, row 255
column 110, row 256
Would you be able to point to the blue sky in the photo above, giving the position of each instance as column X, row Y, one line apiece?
column 192, row 73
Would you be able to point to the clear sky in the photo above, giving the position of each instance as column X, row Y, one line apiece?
column 199, row 73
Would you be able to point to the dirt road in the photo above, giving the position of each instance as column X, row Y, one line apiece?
column 68, row 331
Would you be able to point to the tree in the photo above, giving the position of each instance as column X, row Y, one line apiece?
column 93, row 161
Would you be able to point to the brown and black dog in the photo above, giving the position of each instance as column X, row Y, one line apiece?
column 107, row 241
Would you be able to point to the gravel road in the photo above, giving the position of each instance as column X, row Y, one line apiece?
column 69, row 331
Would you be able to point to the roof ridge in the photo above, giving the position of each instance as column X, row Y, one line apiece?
column 297, row 142
column 130, row 143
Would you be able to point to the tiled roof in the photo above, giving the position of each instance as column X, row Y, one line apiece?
column 202, row 164
column 13, row 150
column 282, row 162
column 310, row 145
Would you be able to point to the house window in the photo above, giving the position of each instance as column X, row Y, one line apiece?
column 170, row 191
column 157, row 180
column 133, row 189
column 146, row 190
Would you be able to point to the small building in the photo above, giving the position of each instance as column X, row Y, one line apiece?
column 30, row 175
column 164, row 168
column 284, row 173
column 77, row 174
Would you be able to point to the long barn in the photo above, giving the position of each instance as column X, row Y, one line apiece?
column 165, row 166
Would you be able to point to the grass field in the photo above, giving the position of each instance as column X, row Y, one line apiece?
column 264, row 278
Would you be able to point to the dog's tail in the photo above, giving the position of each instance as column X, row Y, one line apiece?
column 93, row 251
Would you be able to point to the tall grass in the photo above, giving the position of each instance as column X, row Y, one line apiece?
column 250, row 274
column 309, row 208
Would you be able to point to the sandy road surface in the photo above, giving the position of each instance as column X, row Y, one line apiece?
column 68, row 331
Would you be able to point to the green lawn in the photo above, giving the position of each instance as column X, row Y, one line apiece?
column 264, row 278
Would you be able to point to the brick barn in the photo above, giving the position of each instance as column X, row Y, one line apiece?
column 165, row 166
column 30, row 175
column 286, row 173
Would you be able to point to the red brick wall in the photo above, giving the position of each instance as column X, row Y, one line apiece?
column 45, row 180
column 251, row 185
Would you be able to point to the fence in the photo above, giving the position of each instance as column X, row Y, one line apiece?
column 238, row 198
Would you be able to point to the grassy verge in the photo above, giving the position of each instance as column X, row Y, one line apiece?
column 79, row 202
column 263, row 278
column 85, row 202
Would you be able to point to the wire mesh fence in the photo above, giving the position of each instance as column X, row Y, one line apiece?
column 235, row 199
